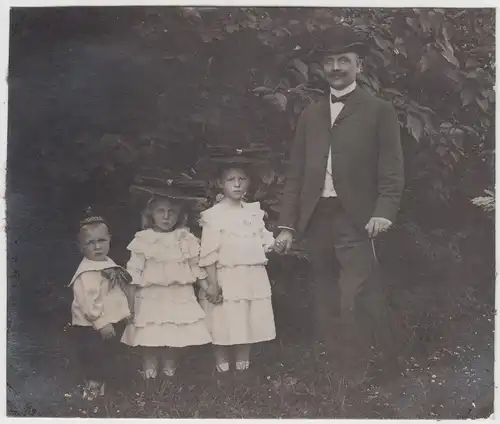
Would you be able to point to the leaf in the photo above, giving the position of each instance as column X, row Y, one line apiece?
column 310, row 27
column 448, row 55
column 302, row 68
column 277, row 99
column 483, row 103
column 393, row 91
column 381, row 55
column 262, row 89
column 191, row 13
column 424, row 63
column 415, row 126
column 467, row 95
column 424, row 21
column 470, row 130
column 383, row 44
column 268, row 177
column 232, row 28
column 453, row 74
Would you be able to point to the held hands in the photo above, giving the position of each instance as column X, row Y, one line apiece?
column 214, row 293
column 283, row 242
column 377, row 225
column 107, row 332
column 130, row 318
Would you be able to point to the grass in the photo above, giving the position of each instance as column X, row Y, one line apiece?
column 288, row 379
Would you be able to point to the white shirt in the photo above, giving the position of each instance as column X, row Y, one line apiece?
column 335, row 109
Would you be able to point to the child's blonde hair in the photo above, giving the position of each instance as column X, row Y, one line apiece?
column 147, row 213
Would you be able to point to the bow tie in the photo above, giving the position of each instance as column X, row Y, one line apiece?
column 341, row 99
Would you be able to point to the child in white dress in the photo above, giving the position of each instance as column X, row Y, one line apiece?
column 233, row 251
column 164, row 267
column 99, row 306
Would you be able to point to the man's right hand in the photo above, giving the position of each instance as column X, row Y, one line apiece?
column 284, row 241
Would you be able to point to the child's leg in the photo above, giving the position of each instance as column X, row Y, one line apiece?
column 169, row 358
column 150, row 361
column 221, row 358
column 112, row 351
column 242, row 356
column 87, row 340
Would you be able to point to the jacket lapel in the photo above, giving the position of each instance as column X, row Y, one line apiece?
column 352, row 105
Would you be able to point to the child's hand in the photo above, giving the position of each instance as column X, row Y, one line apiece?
column 270, row 248
column 130, row 318
column 107, row 332
column 214, row 294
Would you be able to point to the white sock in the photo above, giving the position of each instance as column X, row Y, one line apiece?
column 223, row 367
column 242, row 365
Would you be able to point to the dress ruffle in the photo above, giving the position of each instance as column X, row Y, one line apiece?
column 233, row 237
column 167, row 316
column 243, row 283
column 175, row 246
column 176, row 304
column 165, row 258
column 171, row 335
column 240, row 322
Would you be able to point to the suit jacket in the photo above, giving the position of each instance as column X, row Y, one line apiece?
column 367, row 161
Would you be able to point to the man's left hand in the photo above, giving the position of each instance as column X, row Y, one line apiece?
column 377, row 225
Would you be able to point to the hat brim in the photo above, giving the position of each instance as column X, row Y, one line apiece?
column 359, row 48
column 166, row 193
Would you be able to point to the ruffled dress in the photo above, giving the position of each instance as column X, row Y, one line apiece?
column 235, row 239
column 164, row 267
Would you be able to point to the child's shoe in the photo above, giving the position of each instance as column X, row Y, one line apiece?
column 242, row 365
column 222, row 368
column 93, row 389
column 150, row 368
column 169, row 367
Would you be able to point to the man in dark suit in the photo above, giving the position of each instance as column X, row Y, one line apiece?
column 343, row 188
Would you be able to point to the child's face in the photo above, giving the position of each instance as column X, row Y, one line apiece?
column 235, row 183
column 94, row 241
column 165, row 215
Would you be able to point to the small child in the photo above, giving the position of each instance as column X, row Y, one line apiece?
column 164, row 267
column 233, row 251
column 99, row 306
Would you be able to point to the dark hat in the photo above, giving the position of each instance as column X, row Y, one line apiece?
column 339, row 39
column 220, row 158
column 172, row 193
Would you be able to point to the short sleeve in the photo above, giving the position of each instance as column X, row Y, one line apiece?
column 210, row 240
column 267, row 236
column 190, row 245
column 135, row 267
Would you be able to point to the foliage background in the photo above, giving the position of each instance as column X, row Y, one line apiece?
column 150, row 88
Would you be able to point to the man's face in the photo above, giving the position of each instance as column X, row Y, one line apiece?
column 341, row 69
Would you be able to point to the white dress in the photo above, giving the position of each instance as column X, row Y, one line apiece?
column 235, row 240
column 164, row 268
